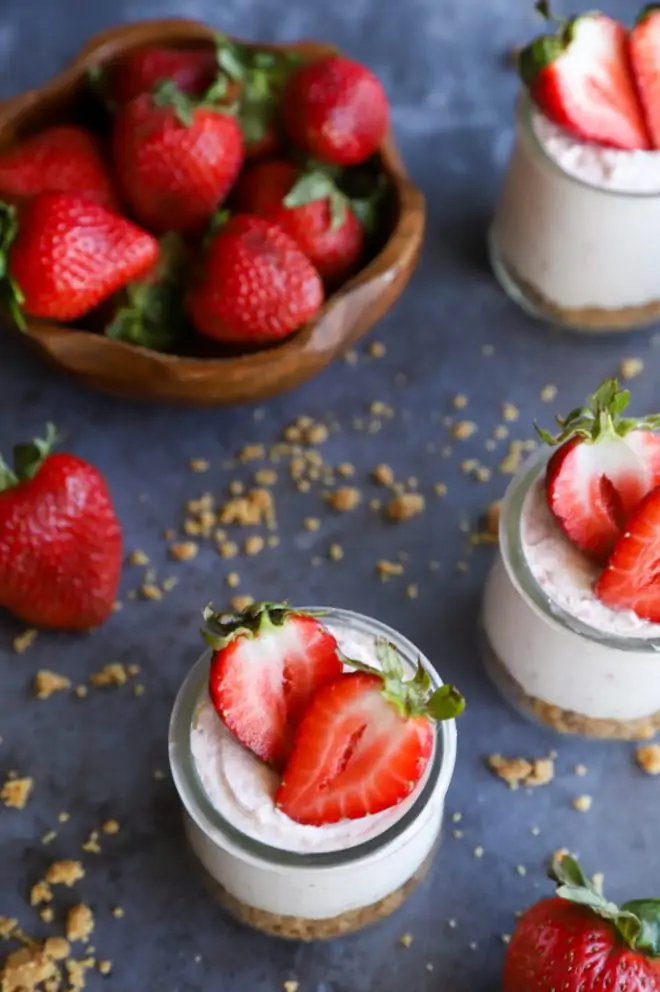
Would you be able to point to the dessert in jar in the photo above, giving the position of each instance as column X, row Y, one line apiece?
column 571, row 608
column 312, row 751
column 576, row 234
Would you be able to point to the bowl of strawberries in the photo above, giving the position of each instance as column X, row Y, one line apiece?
column 185, row 217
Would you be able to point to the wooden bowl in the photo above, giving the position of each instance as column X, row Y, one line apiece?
column 126, row 370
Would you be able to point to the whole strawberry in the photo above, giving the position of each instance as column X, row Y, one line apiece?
column 191, row 70
column 580, row 942
column 336, row 110
column 64, row 255
column 175, row 159
column 255, row 286
column 60, row 540
column 311, row 209
column 604, row 464
column 66, row 158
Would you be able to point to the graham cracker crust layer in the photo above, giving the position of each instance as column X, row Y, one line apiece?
column 304, row 929
column 566, row 721
column 588, row 319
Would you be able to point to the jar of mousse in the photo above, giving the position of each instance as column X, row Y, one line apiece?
column 555, row 651
column 290, row 879
column 576, row 234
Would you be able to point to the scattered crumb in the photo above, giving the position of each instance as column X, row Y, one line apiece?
column 7, row 926
column 111, row 674
column 405, row 506
column 406, row 939
column 16, row 792
column 520, row 771
column 199, row 465
column 138, row 557
column 105, row 967
column 290, row 986
column 648, row 758
column 26, row 969
column 492, row 518
column 184, row 550
column 345, row 498
column 582, row 803
column 57, row 948
column 630, row 367
column 440, row 489
column 46, row 683
column 240, row 603
column 79, row 922
column 456, row 817
column 64, row 873
column 506, row 938
column 521, row 870
column 252, row 453
column 459, row 401
column 351, row 358
column 451, row 924
column 535, row 831
column 581, row 770
column 383, row 475
column 49, row 836
column 479, row 852
column 254, row 544
column 118, row 912
column 92, row 845
column 463, row 430
column 377, row 349
column 81, row 691
column 311, row 523
column 457, row 834
column 548, row 393
column 110, row 827
column 149, row 590
column 265, row 477
column 233, row 580
column 23, row 641
column 386, row 569
column 40, row 892
column 335, row 552
column 346, row 470
column 47, row 914
column 510, row 412
column 412, row 591
column 228, row 549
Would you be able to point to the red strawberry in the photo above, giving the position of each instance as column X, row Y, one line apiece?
column 580, row 942
column 581, row 79
column 257, row 78
column 60, row 541
column 268, row 662
column 311, row 209
column 67, row 254
column 363, row 743
column 175, row 160
column 629, row 581
column 66, row 159
column 255, row 285
column 604, row 466
column 191, row 70
column 336, row 110
column 645, row 56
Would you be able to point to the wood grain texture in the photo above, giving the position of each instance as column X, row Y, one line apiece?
column 126, row 370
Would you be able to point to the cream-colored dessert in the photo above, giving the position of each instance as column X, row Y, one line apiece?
column 576, row 234
column 554, row 647
column 288, row 878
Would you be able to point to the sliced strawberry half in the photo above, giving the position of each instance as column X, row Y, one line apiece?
column 644, row 44
column 364, row 743
column 580, row 77
column 604, row 466
column 631, row 579
column 268, row 662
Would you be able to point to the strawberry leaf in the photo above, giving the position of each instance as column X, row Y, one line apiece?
column 8, row 479
column 446, row 703
column 29, row 457
column 647, row 911
column 256, row 619
column 10, row 291
column 600, row 418
column 168, row 94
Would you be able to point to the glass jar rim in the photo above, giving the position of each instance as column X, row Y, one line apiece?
column 515, row 562
column 524, row 116
column 213, row 824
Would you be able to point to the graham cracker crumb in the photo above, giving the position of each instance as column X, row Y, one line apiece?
column 463, row 430
column 581, row 770
column 49, row 836
column 351, row 358
column 405, row 506
column 79, row 922
column 252, row 453
column 199, row 465
column 521, row 870
column 440, row 489
column 46, row 683
column 630, row 367
column 92, row 845
column 520, row 771
column 233, row 580
column 105, row 966
column 265, row 477
column 648, row 758
column 510, row 412
column 548, row 393
column 406, row 939
column 228, row 549
column 7, row 926
column 148, row 590
column 111, row 674
column 582, row 803
column 47, row 914
column 16, row 792
column 376, row 350
column 81, row 691
column 479, row 851
column 40, row 892
column 23, row 641
column 345, row 498
column 57, row 948
column 386, row 569
column 412, row 591
column 346, row 470
column 492, row 518
column 335, row 552
column 138, row 557
column 254, row 544
column 184, row 550
column 65, row 872
column 110, row 827
column 311, row 523
column 240, row 603
column 459, row 402
column 118, row 912
column 26, row 969
column 383, row 475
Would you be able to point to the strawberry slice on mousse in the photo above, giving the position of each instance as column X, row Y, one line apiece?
column 364, row 742
column 644, row 45
column 631, row 579
column 604, row 466
column 580, row 77
column 268, row 662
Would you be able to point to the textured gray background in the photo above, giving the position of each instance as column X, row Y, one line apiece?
column 442, row 64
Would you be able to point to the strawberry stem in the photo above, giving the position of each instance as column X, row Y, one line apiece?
column 315, row 185
column 255, row 620
column 638, row 921
column 600, row 418
column 28, row 459
column 647, row 12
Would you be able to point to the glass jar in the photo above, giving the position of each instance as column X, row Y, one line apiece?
column 581, row 256
column 319, row 895
column 552, row 666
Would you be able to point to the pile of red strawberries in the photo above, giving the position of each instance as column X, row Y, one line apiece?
column 128, row 232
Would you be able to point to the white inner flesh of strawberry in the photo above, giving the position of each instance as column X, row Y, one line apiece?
column 624, row 462
column 263, row 661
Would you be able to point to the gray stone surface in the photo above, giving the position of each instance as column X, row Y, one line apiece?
column 452, row 96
